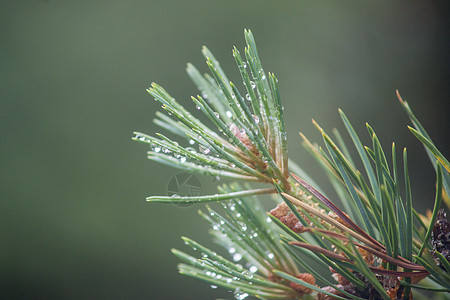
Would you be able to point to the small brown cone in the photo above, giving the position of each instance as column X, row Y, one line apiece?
column 306, row 277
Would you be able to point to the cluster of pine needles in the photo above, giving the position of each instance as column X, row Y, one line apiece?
column 377, row 247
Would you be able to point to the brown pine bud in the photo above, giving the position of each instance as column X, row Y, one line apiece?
column 306, row 277
column 284, row 214
column 339, row 278
column 242, row 136
column 391, row 285
column 328, row 289
column 367, row 256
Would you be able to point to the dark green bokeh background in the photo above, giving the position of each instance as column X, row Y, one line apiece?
column 74, row 221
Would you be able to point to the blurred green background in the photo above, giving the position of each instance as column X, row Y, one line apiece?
column 73, row 74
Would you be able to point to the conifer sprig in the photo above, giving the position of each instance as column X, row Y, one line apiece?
column 378, row 247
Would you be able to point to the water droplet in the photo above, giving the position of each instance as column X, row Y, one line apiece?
column 238, row 215
column 182, row 159
column 247, row 96
column 165, row 150
column 256, row 119
column 243, row 226
column 208, row 273
column 270, row 255
column 231, row 250
column 255, row 235
column 237, row 257
column 156, row 149
column 141, row 138
column 253, row 269
column 203, row 149
column 252, row 84
column 229, row 114
column 215, row 227
column 263, row 77
column 268, row 220
column 216, row 114
column 213, row 286
column 191, row 142
column 190, row 149
column 240, row 295
column 245, row 65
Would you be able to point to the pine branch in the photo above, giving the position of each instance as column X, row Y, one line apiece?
column 368, row 247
